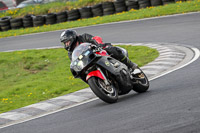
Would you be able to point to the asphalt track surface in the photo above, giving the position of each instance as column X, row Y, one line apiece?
column 172, row 103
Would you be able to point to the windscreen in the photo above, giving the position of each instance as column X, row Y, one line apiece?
column 79, row 50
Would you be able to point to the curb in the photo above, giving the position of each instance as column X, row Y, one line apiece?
column 171, row 56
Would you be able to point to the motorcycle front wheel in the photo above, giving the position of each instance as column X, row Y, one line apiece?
column 142, row 82
column 108, row 94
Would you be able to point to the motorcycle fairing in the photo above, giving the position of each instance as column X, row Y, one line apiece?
column 116, row 68
column 111, row 64
column 86, row 60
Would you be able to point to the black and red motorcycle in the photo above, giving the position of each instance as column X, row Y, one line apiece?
column 107, row 77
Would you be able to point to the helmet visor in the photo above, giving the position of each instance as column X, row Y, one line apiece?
column 67, row 43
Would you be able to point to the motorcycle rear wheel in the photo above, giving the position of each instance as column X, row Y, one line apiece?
column 108, row 95
column 142, row 84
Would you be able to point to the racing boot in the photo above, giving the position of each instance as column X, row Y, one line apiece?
column 129, row 63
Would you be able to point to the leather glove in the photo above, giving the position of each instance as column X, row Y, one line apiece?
column 106, row 45
column 93, row 46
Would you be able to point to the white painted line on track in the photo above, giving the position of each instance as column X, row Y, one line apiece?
column 34, row 49
column 196, row 56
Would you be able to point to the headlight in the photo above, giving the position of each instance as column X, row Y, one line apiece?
column 80, row 65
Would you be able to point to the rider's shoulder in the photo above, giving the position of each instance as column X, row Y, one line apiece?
column 86, row 35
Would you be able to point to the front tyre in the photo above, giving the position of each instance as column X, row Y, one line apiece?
column 108, row 94
column 142, row 82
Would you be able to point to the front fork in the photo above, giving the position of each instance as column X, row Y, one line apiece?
column 105, row 79
column 98, row 73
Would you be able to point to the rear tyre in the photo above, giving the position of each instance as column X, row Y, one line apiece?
column 141, row 82
column 105, row 93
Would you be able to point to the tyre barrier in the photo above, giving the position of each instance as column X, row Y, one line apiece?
column 61, row 17
column 156, row 2
column 50, row 18
column 106, row 8
column 74, row 15
column 97, row 10
column 132, row 4
column 86, row 12
column 120, row 6
column 16, row 23
column 38, row 20
column 144, row 3
column 27, row 21
column 5, row 23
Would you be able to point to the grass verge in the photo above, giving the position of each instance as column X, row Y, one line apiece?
column 180, row 7
column 31, row 76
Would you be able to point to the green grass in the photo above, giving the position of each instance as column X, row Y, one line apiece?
column 180, row 7
column 31, row 76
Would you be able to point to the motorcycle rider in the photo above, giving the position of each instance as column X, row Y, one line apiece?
column 71, row 40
